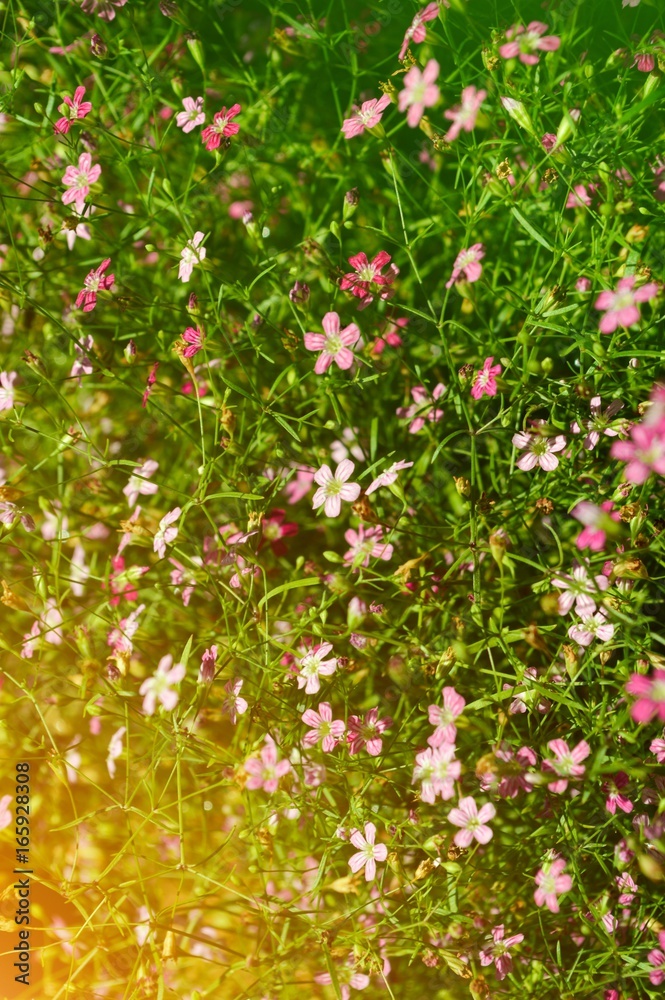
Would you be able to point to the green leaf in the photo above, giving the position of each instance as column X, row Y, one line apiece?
column 533, row 231
column 308, row 581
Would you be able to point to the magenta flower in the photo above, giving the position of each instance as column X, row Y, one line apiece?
column 420, row 91
column 367, row 732
column 592, row 627
column 82, row 363
column 657, row 747
column 484, row 383
column 167, row 532
column 334, row 345
column 7, row 380
column 599, row 422
column 368, row 115
column 194, row 338
column 650, row 693
column 437, row 770
column 298, row 488
column 78, row 180
column 366, row 544
column 312, row 666
column 552, row 883
column 346, row 978
column 548, row 142
column 159, row 687
column 274, row 529
column 387, row 477
column 473, row 822
column 416, row 32
column 191, row 254
column 467, row 266
column 324, row 729
column 644, row 453
column 234, row 705
column 513, row 776
column 581, row 590
column 266, row 770
column 76, row 108
column 334, row 488
column 95, row 281
column 443, row 717
column 208, row 665
column 367, row 274
column 538, row 450
column 525, row 42
column 565, row 763
column 579, row 197
column 104, row 8
column 138, row 484
column 499, row 952
column 613, row 789
column 222, row 127
column 645, row 62
column 368, row 852
column 621, row 307
column 463, row 116
column 423, row 407
column 657, row 959
column 193, row 114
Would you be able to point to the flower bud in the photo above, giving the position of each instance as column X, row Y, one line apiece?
column 462, row 485
column 299, row 293
column 130, row 352
column 98, row 47
column 518, row 113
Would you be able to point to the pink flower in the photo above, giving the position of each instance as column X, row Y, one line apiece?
column 367, row 116
column 366, row 544
column 420, row 92
column 115, row 750
column 485, row 381
column 6, row 814
column 473, row 822
column 583, row 285
column 657, row 959
column 222, row 126
column 77, row 108
column 592, row 627
column 524, row 42
column 512, row 772
column 324, row 729
column 138, row 485
column 567, row 764
column 7, row 380
column 334, row 345
column 208, row 663
column 367, row 732
column 538, row 450
column 334, row 488
column 600, row 422
column 423, row 407
column 644, row 453
column 233, row 705
column 645, row 62
column 193, row 114
column 102, row 7
column 620, row 307
column 552, row 883
column 579, row 197
column 95, row 281
column 367, row 275
column 581, row 590
column 387, row 477
column 266, row 770
column 612, row 788
column 467, row 265
column 346, row 978
column 657, row 747
column 78, row 180
column 274, row 529
column 548, row 141
column 312, row 665
column 191, row 254
column 463, row 116
column 194, row 339
column 650, row 693
column 416, row 32
column 159, row 686
column 627, row 886
column 368, row 852
column 499, row 952
column 443, row 717
column 298, row 488
column 437, row 770
column 167, row 532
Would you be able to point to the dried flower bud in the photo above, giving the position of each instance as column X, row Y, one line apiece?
column 352, row 197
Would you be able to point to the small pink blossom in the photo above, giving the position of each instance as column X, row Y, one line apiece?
column 367, row 732
column 423, row 408
column 208, row 664
column 656, row 958
column 367, row 116
column 222, row 127
column 443, row 717
column 95, row 281
column 312, row 666
column 467, row 266
column 650, row 693
column 324, row 729
column 416, row 32
column 79, row 180
column 138, row 484
column 334, row 345
column 274, row 529
column 485, row 381
column 437, row 770
column 366, row 544
column 159, row 687
column 645, row 62
column 583, row 285
column 167, row 532
column 463, row 116
column 366, row 275
column 297, row 488
column 193, row 114
column 644, row 453
column 104, row 8
column 7, row 395
column 621, row 307
column 565, row 763
column 657, row 747
column 233, row 704
column 368, row 852
column 334, row 488
column 613, row 789
column 420, row 91
column 6, row 814
column 581, row 590
column 266, row 770
column 552, row 883
column 513, row 776
column 580, row 197
column 387, row 477
column 115, row 750
column 523, row 42
column 191, row 255
column 473, row 822
column 538, row 450
column 591, row 627
column 499, row 952
column 600, row 422
column 76, row 108
column 193, row 337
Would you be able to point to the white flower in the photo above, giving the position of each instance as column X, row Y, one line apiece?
column 192, row 253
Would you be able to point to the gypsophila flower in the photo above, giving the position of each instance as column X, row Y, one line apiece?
column 334, row 488
column 234, row 704
column 416, row 32
column 523, row 43
column 78, row 180
column 138, row 484
column 95, row 281
column 467, row 266
column 565, row 763
column 115, row 750
column 552, row 883
column 621, row 307
column 193, row 114
column 463, row 116
column 266, row 770
column 580, row 589
column 443, row 717
column 388, row 476
column 334, row 344
column 473, row 822
column 420, row 92
column 367, row 115
column 368, row 852
column 650, row 694
column 159, row 687
column 167, row 532
column 592, row 627
column 312, row 666
column 538, row 450
column 499, row 951
column 323, row 728
column 191, row 255
column 437, row 770
column 484, row 383
column 72, row 109
column 7, row 397
column 367, row 732
column 222, row 127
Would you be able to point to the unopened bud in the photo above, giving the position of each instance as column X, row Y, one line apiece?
column 462, row 485
column 98, row 47
column 130, row 352
column 518, row 113
column 299, row 293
